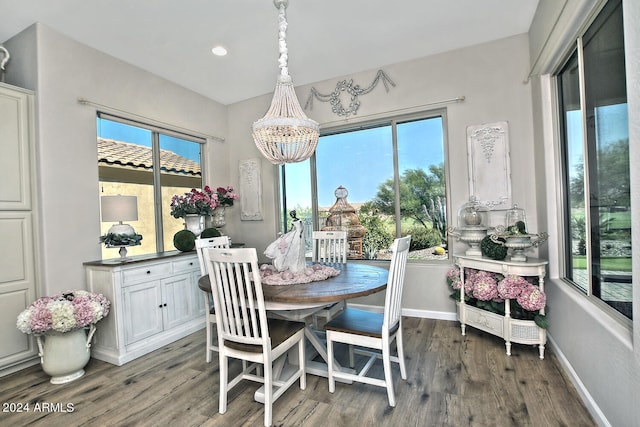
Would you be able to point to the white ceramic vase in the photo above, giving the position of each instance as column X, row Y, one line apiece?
column 194, row 223
column 218, row 220
column 64, row 355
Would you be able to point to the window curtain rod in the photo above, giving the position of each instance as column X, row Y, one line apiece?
column 406, row 110
column 143, row 120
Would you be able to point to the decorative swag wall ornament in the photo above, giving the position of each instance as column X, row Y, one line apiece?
column 351, row 89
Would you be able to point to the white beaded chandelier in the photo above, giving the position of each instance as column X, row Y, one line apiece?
column 285, row 134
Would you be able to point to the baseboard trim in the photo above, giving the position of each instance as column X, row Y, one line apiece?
column 410, row 312
column 586, row 397
column 20, row 366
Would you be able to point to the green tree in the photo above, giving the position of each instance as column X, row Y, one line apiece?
column 613, row 174
column 377, row 236
column 613, row 177
column 420, row 191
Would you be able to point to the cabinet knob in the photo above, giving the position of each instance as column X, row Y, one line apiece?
column 148, row 271
column 160, row 306
column 165, row 304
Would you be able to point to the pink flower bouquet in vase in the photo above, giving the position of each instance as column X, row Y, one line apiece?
column 60, row 323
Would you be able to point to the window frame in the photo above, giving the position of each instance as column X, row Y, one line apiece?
column 156, row 130
column 576, row 52
column 392, row 121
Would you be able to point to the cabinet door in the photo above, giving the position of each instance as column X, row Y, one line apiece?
column 17, row 284
column 178, row 304
column 143, row 310
column 15, row 162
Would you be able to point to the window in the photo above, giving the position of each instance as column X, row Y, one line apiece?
column 152, row 164
column 595, row 148
column 394, row 174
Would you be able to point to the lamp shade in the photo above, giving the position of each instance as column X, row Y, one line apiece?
column 119, row 208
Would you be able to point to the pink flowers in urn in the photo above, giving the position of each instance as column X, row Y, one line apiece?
column 225, row 196
column 202, row 202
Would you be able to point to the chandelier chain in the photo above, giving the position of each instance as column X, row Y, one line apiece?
column 282, row 41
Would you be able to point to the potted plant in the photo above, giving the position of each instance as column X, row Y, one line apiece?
column 196, row 205
column 60, row 323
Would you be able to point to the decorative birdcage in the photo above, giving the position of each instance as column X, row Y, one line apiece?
column 342, row 216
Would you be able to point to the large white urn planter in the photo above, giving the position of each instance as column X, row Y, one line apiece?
column 194, row 223
column 64, row 355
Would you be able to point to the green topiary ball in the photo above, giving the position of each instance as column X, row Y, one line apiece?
column 493, row 250
column 184, row 240
column 210, row 232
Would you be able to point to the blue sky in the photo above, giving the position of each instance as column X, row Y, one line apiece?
column 361, row 160
column 122, row 132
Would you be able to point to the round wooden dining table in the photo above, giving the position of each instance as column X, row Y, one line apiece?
column 354, row 280
column 299, row 301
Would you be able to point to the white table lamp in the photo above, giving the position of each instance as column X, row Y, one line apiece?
column 120, row 208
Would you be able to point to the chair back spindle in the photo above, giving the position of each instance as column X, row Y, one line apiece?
column 211, row 242
column 395, row 284
column 240, row 298
column 210, row 319
column 329, row 246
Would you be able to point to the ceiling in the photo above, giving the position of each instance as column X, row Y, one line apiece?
column 325, row 38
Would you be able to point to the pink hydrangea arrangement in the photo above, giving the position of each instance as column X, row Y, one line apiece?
column 532, row 298
column 487, row 290
column 483, row 286
column 511, row 286
column 63, row 312
column 453, row 277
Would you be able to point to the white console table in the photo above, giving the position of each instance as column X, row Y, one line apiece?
column 155, row 300
column 512, row 330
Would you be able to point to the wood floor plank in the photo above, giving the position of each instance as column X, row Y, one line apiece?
column 453, row 380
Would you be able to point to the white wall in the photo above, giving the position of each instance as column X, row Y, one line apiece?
column 60, row 70
column 597, row 348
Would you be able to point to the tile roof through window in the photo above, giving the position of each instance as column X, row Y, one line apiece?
column 112, row 152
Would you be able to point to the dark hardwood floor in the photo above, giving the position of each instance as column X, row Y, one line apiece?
column 452, row 381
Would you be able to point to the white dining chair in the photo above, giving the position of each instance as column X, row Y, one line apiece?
column 373, row 331
column 329, row 246
column 210, row 316
column 245, row 332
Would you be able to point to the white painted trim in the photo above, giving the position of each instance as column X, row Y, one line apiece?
column 410, row 312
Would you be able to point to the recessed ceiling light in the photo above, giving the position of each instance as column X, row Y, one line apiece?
column 219, row 51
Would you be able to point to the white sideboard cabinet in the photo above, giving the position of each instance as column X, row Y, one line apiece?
column 512, row 330
column 155, row 300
